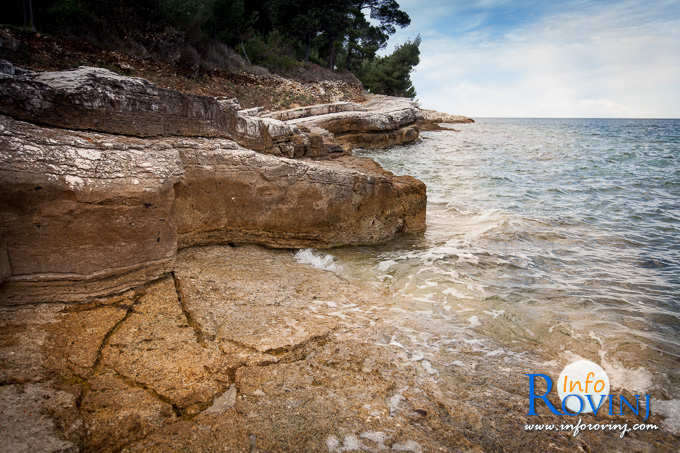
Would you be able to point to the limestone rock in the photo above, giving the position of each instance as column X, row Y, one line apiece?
column 266, row 319
column 97, row 99
column 430, row 120
column 138, row 350
column 27, row 418
column 5, row 269
column 242, row 196
column 314, row 110
column 38, row 342
column 116, row 413
column 83, row 214
column 380, row 122
column 441, row 117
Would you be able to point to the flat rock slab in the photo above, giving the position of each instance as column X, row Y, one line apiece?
column 156, row 327
column 269, row 315
column 163, row 369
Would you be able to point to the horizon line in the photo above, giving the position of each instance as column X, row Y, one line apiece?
column 576, row 117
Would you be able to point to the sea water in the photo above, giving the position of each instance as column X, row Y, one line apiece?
column 549, row 239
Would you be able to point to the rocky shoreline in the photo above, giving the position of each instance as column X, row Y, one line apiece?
column 112, row 325
column 105, row 177
column 149, row 299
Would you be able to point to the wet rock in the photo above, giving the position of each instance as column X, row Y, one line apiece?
column 264, row 320
column 223, row 402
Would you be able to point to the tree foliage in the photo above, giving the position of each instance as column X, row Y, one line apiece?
column 391, row 74
column 342, row 34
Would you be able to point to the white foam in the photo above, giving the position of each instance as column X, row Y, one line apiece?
column 428, row 367
column 409, row 445
column 474, row 321
column 317, row 259
column 377, row 437
column 332, row 443
column 671, row 410
column 494, row 313
column 637, row 380
column 384, row 265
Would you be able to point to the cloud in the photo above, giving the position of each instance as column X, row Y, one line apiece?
column 590, row 59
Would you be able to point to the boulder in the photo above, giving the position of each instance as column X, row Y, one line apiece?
column 86, row 214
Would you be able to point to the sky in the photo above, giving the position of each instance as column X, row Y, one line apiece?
column 571, row 58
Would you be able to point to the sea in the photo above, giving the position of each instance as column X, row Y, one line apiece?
column 547, row 240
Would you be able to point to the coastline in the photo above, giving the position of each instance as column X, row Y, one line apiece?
column 222, row 344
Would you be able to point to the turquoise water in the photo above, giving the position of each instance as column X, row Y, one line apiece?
column 551, row 237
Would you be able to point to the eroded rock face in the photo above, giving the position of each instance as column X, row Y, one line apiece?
column 97, row 99
column 381, row 122
column 242, row 196
column 86, row 214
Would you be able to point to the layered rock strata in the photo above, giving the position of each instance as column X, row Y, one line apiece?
column 88, row 214
column 380, row 122
column 430, row 120
column 97, row 99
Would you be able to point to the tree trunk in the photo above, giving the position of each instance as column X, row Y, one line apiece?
column 308, row 47
column 245, row 54
column 28, row 14
column 331, row 56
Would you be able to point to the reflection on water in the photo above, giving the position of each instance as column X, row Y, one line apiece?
column 547, row 239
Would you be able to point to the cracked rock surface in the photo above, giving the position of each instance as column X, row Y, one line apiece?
column 194, row 362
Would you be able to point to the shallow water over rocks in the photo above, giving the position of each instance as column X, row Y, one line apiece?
column 547, row 240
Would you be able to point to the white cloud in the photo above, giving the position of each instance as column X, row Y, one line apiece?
column 620, row 60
